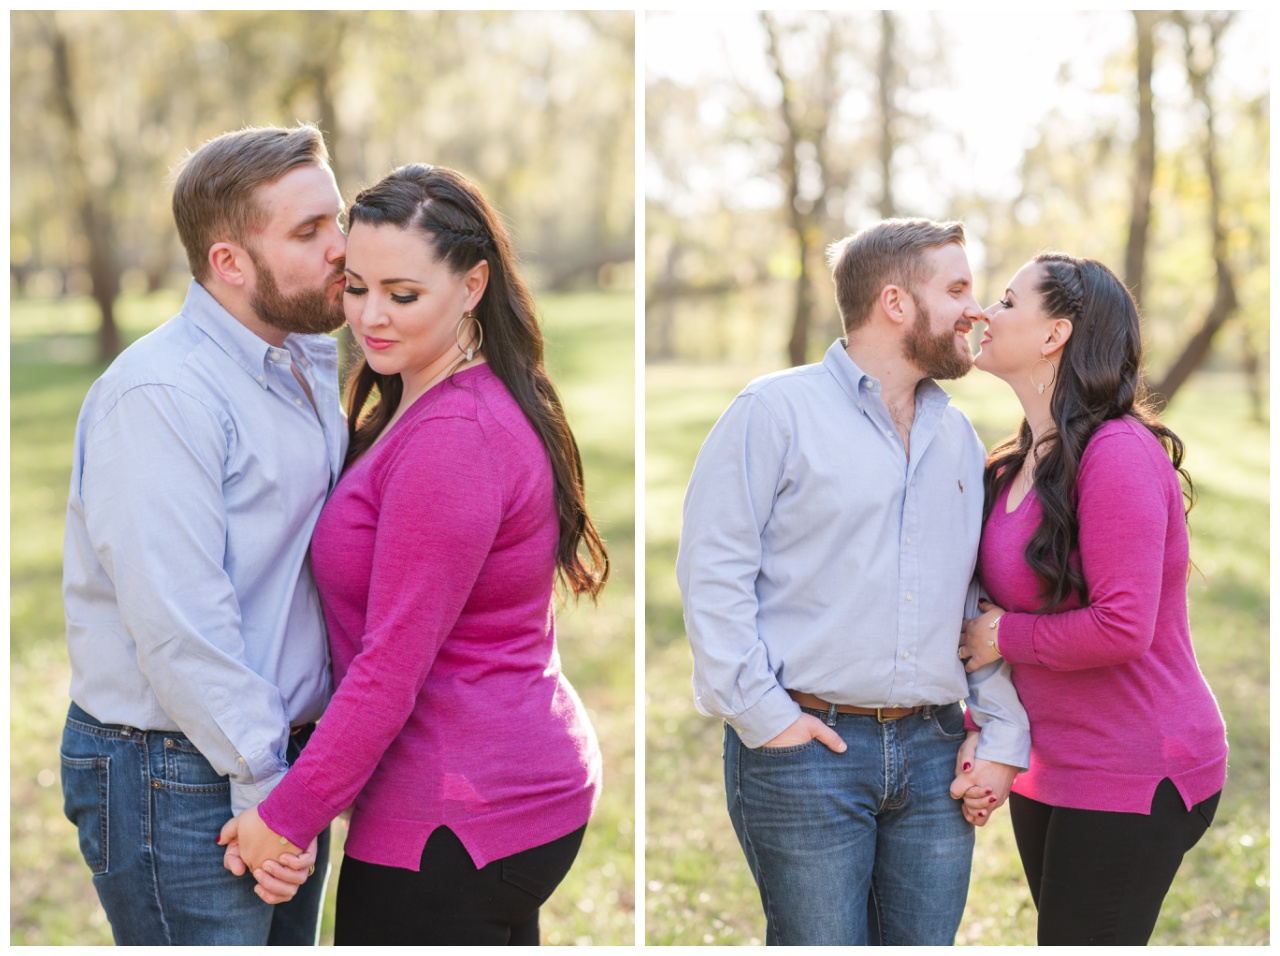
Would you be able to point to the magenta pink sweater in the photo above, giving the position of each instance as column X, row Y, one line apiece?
column 1112, row 689
column 435, row 561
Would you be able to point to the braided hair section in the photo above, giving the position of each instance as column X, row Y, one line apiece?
column 1063, row 287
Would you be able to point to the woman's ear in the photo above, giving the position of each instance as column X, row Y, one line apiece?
column 476, row 281
column 1059, row 332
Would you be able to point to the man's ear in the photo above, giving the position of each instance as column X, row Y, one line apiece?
column 894, row 301
column 229, row 262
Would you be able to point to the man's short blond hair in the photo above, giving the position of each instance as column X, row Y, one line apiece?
column 215, row 188
column 892, row 252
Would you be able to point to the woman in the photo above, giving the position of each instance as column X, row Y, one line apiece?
column 468, row 757
column 1085, row 557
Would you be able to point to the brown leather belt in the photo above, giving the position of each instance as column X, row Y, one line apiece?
column 813, row 702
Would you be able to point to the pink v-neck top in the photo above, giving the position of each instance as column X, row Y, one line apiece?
column 435, row 562
column 1112, row 689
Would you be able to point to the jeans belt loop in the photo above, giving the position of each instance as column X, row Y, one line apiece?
column 831, row 715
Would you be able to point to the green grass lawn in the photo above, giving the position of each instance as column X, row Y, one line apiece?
column 698, row 888
column 590, row 351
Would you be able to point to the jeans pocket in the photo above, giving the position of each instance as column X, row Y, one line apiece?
column 86, row 792
column 948, row 722
column 187, row 769
column 788, row 750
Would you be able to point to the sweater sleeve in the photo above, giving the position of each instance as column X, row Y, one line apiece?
column 1123, row 511
column 439, row 515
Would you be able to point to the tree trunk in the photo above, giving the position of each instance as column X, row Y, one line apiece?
column 1251, row 364
column 1224, row 298
column 1144, row 157
column 789, row 168
column 92, row 210
column 888, row 112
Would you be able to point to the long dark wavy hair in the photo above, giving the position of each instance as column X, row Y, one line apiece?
column 1099, row 378
column 462, row 229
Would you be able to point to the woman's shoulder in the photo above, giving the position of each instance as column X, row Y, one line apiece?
column 1124, row 446
column 1125, row 432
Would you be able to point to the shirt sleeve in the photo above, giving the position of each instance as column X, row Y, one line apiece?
column 993, row 706
column 728, row 502
column 1123, row 512
column 152, row 488
column 439, row 514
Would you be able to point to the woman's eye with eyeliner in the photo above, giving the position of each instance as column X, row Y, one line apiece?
column 354, row 290
column 405, row 299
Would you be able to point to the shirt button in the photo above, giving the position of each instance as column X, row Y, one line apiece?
column 239, row 760
column 298, row 402
column 908, row 541
column 906, row 655
column 262, row 378
column 908, row 595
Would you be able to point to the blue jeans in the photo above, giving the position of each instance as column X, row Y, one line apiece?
column 149, row 808
column 860, row 848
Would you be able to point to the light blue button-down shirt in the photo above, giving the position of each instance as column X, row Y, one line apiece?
column 199, row 472
column 816, row 556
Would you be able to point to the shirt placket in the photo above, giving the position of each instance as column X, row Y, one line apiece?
column 280, row 361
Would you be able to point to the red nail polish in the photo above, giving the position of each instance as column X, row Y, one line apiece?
column 968, row 766
column 218, row 839
column 989, row 792
column 982, row 813
column 992, row 800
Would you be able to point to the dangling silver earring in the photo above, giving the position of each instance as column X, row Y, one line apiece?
column 1053, row 375
column 470, row 350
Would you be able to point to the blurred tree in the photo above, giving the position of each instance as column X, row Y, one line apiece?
column 1203, row 34
column 91, row 205
column 1135, row 258
column 537, row 107
column 805, row 120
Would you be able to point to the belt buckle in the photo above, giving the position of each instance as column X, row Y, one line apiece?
column 881, row 719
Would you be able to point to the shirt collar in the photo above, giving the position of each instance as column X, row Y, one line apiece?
column 244, row 347
column 853, row 380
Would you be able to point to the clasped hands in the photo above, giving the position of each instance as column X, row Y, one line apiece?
column 982, row 785
column 279, row 866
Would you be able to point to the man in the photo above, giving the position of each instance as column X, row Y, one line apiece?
column 202, row 458
column 830, row 536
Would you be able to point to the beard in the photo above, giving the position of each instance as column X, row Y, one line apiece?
column 934, row 354
column 307, row 313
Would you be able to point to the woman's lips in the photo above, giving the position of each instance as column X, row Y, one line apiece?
column 377, row 344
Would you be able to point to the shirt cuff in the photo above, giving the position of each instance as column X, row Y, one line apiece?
column 773, row 714
column 1005, row 743
column 250, row 793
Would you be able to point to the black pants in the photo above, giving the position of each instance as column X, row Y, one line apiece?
column 1099, row 877
column 449, row 901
